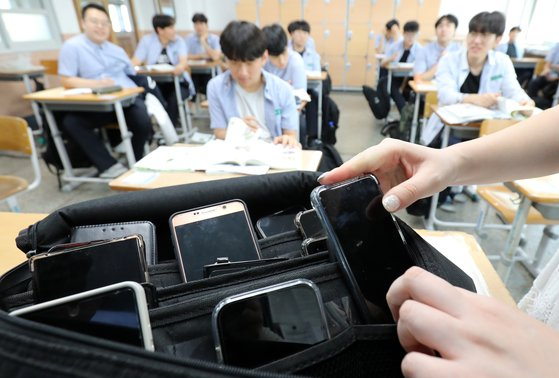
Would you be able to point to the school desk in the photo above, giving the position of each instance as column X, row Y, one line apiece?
column 420, row 89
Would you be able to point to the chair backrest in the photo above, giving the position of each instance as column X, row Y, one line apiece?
column 539, row 67
column 14, row 135
column 51, row 66
column 430, row 99
column 490, row 126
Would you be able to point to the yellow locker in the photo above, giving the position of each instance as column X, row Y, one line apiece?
column 360, row 11
column 246, row 10
column 358, row 39
column 269, row 11
column 290, row 10
column 335, row 68
column 355, row 71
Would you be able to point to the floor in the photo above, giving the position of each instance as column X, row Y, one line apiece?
column 358, row 130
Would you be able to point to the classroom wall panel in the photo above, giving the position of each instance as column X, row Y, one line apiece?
column 246, row 10
column 336, row 66
column 269, row 11
column 290, row 10
column 355, row 71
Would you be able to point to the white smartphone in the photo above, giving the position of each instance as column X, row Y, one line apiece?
column 267, row 324
column 117, row 312
column 202, row 235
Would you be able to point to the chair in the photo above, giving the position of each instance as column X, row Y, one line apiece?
column 51, row 66
column 16, row 140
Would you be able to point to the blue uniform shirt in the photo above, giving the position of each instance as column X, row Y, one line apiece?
column 195, row 47
column 430, row 55
column 553, row 55
column 81, row 57
column 503, row 47
column 310, row 45
column 150, row 47
column 280, row 110
column 399, row 48
column 294, row 72
column 310, row 58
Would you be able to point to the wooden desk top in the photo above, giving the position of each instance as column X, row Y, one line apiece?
column 16, row 72
column 320, row 77
column 147, row 72
column 527, row 60
column 400, row 67
column 12, row 223
column 203, row 63
column 55, row 95
column 472, row 125
column 423, row 87
column 542, row 189
column 141, row 180
column 11, row 256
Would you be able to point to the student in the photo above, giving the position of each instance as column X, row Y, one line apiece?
column 391, row 35
column 428, row 57
column 515, row 50
column 473, row 335
column 299, row 31
column 163, row 47
column 202, row 45
column 476, row 75
column 547, row 80
column 404, row 51
column 247, row 91
column 90, row 60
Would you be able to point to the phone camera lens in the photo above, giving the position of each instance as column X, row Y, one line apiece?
column 224, row 207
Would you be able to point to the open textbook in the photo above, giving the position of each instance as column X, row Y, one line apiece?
column 464, row 113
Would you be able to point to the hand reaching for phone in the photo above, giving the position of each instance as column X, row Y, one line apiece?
column 474, row 335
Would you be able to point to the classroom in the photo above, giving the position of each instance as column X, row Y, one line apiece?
column 146, row 111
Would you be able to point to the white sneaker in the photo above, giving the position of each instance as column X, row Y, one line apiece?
column 114, row 171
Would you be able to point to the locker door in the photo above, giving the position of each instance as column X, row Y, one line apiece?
column 290, row 10
column 334, row 37
column 246, row 10
column 268, row 12
column 358, row 37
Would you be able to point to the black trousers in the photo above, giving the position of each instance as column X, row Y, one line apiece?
column 536, row 85
column 170, row 96
column 311, row 115
column 200, row 81
column 81, row 128
column 395, row 92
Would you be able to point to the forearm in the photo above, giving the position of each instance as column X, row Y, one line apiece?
column 197, row 56
column 529, row 149
column 136, row 61
column 78, row 82
column 220, row 133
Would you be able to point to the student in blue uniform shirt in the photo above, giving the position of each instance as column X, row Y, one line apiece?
column 262, row 100
column 514, row 49
column 391, row 35
column 477, row 75
column 404, row 51
column 202, row 45
column 164, row 47
column 89, row 60
column 547, row 80
column 428, row 57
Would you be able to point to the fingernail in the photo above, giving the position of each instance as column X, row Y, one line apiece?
column 319, row 179
column 391, row 203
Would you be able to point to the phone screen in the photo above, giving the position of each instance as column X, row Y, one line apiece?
column 368, row 241
column 66, row 272
column 309, row 224
column 112, row 315
column 278, row 223
column 264, row 327
column 206, row 234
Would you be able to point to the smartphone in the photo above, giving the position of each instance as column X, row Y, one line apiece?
column 224, row 266
column 365, row 239
column 264, row 325
column 73, row 268
column 311, row 246
column 308, row 224
column 202, row 235
column 115, row 312
column 278, row 223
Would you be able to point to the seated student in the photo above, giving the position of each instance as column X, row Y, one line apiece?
column 476, row 75
column 299, row 32
column 428, row 57
column 163, row 47
column 515, row 50
column 90, row 60
column 546, row 81
column 263, row 100
column 404, row 51
column 391, row 35
column 202, row 45
column 305, row 27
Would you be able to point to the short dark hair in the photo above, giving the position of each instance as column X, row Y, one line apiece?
column 276, row 39
column 391, row 23
column 242, row 41
column 515, row 29
column 199, row 17
column 162, row 21
column 298, row 25
column 449, row 17
column 94, row 6
column 488, row 22
column 411, row 27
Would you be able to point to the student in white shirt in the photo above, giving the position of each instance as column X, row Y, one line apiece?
column 427, row 59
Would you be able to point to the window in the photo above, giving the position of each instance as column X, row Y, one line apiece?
column 40, row 31
column 543, row 23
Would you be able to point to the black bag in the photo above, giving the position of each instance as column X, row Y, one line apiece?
column 181, row 320
column 330, row 120
column 331, row 158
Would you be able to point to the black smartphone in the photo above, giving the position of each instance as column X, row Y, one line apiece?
column 224, row 266
column 74, row 268
column 311, row 246
column 309, row 225
column 203, row 235
column 264, row 325
column 278, row 223
column 115, row 312
column 365, row 239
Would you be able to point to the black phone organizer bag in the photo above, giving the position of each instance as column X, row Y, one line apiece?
column 181, row 314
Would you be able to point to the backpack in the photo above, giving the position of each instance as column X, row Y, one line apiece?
column 331, row 158
column 330, row 120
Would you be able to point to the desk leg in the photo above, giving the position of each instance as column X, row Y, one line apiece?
column 319, row 126
column 34, row 105
column 415, row 119
column 389, row 83
column 430, row 223
column 125, row 134
column 504, row 268
column 180, row 104
column 59, row 143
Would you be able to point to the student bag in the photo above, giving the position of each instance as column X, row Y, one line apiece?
column 181, row 317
